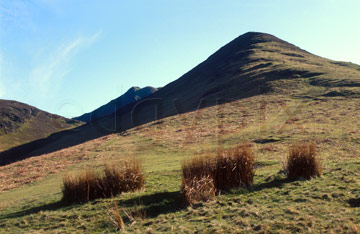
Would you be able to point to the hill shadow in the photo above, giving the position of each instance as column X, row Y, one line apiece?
column 39, row 147
column 275, row 183
column 67, row 138
column 130, row 116
column 156, row 204
column 47, row 207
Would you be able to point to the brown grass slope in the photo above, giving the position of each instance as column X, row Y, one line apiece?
column 250, row 65
column 21, row 123
column 322, row 205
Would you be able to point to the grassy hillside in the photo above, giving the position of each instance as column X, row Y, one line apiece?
column 272, row 205
column 299, row 97
column 251, row 65
column 21, row 123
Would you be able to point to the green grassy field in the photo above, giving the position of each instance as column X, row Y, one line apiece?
column 269, row 123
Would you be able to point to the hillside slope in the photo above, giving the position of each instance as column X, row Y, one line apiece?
column 250, row 65
column 21, row 123
column 296, row 97
column 133, row 95
column 269, row 123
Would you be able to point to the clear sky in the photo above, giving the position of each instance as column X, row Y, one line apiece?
column 72, row 56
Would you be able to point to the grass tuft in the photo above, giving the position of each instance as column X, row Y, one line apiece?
column 196, row 190
column 122, row 177
column 137, row 213
column 234, row 168
column 302, row 162
column 206, row 175
column 116, row 219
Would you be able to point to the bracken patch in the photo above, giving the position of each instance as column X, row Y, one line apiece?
column 303, row 162
column 203, row 176
column 115, row 179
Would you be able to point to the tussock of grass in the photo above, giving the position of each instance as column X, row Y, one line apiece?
column 206, row 175
column 234, row 168
column 197, row 189
column 127, row 176
column 303, row 162
column 116, row 219
column 115, row 179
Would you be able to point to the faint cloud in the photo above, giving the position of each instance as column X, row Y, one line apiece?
column 10, row 10
column 54, row 4
column 15, row 13
column 49, row 2
column 49, row 73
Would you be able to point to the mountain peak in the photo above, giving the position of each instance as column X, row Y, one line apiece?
column 259, row 35
column 251, row 38
column 247, row 42
column 133, row 89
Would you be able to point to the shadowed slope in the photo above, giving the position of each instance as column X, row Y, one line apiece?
column 252, row 64
column 133, row 95
column 21, row 123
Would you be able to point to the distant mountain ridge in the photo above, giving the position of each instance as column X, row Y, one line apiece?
column 21, row 123
column 134, row 94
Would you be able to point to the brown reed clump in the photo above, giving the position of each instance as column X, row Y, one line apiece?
column 81, row 188
column 206, row 175
column 124, row 177
column 302, row 162
column 234, row 168
column 113, row 180
column 197, row 189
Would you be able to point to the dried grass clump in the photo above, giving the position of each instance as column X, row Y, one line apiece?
column 114, row 179
column 234, row 168
column 303, row 162
column 81, row 188
column 206, row 175
column 124, row 177
column 116, row 219
column 197, row 189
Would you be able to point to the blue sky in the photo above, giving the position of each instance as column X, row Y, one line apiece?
column 72, row 56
